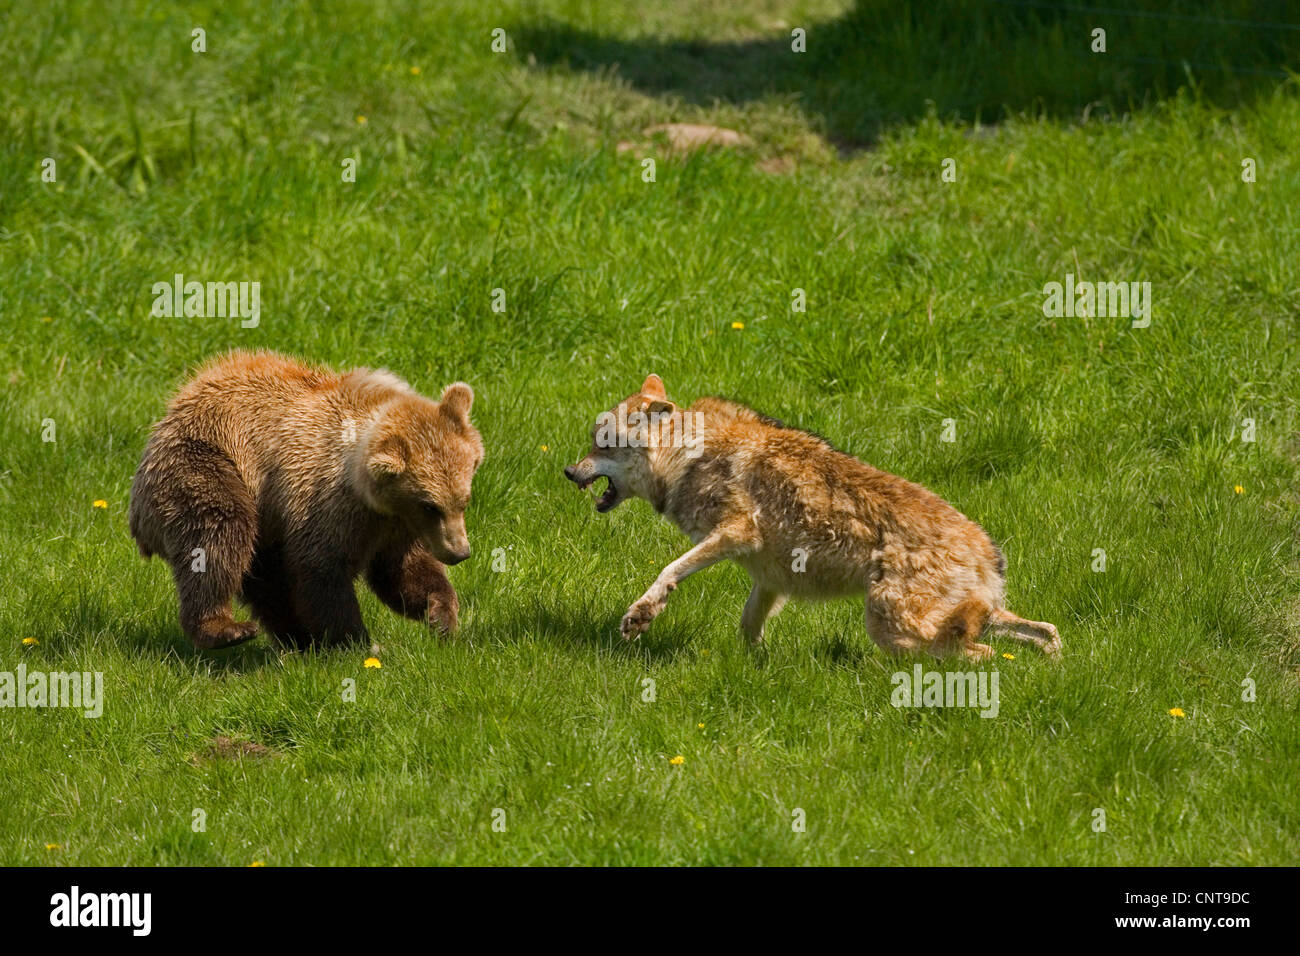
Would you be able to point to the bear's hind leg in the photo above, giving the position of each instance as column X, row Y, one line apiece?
column 411, row 581
column 210, row 525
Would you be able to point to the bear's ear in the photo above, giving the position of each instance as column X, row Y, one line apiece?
column 660, row 407
column 387, row 457
column 653, row 387
column 456, row 402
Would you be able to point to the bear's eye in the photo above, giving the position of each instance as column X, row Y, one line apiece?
column 430, row 509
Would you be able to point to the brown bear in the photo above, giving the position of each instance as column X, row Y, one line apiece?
column 279, row 483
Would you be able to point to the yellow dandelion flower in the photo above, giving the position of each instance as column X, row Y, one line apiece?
column 30, row 642
column 1176, row 712
column 678, row 760
column 53, row 846
column 701, row 726
column 373, row 662
column 47, row 318
column 737, row 325
column 1238, row 489
column 415, row 71
column 361, row 119
column 100, row 503
column 1010, row 657
column 546, row 448
column 256, row 863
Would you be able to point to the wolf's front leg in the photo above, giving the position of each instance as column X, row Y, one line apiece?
column 718, row 546
column 762, row 604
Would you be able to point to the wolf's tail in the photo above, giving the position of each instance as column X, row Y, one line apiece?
column 966, row 622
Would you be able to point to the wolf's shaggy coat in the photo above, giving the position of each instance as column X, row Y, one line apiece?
column 805, row 520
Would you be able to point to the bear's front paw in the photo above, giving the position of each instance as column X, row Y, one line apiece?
column 443, row 614
column 638, row 617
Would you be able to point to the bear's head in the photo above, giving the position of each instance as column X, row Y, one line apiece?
column 418, row 460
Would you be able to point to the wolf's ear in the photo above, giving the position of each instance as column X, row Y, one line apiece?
column 653, row 387
column 456, row 402
column 387, row 457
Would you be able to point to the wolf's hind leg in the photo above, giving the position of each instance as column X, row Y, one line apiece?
column 1039, row 633
column 762, row 604
column 414, row 583
column 889, row 637
column 956, row 634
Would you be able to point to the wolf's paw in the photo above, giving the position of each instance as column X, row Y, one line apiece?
column 638, row 617
column 216, row 633
column 1051, row 646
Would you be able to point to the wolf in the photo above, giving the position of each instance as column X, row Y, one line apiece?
column 279, row 483
column 804, row 520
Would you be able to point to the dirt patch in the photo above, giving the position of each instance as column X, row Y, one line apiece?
column 776, row 165
column 231, row 748
column 686, row 137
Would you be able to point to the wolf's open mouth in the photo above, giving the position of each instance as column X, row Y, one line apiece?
column 605, row 501
column 610, row 496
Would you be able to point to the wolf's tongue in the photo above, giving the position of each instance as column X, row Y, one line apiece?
column 606, row 501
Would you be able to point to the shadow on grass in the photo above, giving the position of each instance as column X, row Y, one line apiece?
column 853, row 654
column 178, row 652
column 580, row 628
column 154, row 634
column 886, row 62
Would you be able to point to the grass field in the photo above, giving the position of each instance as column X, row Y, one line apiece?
column 479, row 171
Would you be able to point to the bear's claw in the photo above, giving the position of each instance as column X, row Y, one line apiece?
column 218, row 634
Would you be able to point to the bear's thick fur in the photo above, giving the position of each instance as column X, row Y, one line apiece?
column 278, row 483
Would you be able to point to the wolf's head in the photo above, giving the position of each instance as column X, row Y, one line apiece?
column 625, row 445
column 416, row 463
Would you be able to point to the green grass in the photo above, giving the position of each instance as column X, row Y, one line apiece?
column 489, row 171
